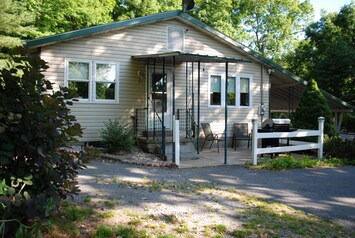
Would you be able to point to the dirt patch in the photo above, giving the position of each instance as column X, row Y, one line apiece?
column 138, row 157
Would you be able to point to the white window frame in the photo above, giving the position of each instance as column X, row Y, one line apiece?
column 66, row 76
column 92, row 80
column 237, row 90
column 167, row 38
column 95, row 81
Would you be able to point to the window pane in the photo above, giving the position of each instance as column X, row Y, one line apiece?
column 82, row 88
column 244, row 85
column 244, row 91
column 105, row 91
column 78, row 71
column 231, row 91
column 215, row 90
column 106, row 72
column 157, row 83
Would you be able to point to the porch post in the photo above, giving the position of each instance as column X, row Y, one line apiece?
column 226, row 117
column 320, row 137
column 177, row 128
column 186, row 95
column 154, row 107
column 147, row 85
column 198, row 106
column 254, row 144
column 192, row 95
column 162, row 111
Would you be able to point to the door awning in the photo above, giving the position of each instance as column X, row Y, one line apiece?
column 188, row 57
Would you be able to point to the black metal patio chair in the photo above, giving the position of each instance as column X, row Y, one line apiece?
column 210, row 136
column 240, row 132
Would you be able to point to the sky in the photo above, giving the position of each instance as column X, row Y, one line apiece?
column 328, row 5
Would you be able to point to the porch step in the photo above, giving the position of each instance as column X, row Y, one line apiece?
column 153, row 146
column 157, row 133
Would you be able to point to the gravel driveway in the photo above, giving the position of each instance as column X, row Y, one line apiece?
column 326, row 192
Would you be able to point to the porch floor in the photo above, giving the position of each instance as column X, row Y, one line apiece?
column 211, row 158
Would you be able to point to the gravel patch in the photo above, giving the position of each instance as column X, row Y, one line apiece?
column 173, row 203
column 161, row 197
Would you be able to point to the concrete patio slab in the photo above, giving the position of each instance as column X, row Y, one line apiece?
column 211, row 158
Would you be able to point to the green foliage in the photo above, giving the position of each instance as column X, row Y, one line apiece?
column 117, row 135
column 120, row 231
column 74, row 213
column 59, row 16
column 220, row 15
column 273, row 26
column 336, row 147
column 290, row 162
column 328, row 54
column 16, row 23
column 34, row 124
column 348, row 124
column 311, row 106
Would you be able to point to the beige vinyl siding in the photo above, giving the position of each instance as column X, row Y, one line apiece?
column 118, row 46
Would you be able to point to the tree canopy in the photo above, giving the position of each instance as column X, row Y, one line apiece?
column 328, row 53
column 16, row 23
column 273, row 25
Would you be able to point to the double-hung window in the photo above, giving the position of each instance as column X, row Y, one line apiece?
column 238, row 91
column 94, row 81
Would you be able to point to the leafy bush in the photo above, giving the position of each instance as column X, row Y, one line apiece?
column 34, row 123
column 336, row 147
column 117, row 135
column 290, row 162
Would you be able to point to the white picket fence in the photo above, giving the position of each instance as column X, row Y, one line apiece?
column 298, row 133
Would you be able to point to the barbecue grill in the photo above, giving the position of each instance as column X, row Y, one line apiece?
column 274, row 125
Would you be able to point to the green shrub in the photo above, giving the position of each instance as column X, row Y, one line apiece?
column 117, row 136
column 336, row 147
column 348, row 124
column 312, row 105
column 35, row 123
column 290, row 162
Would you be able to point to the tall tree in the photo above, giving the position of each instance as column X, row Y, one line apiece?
column 56, row 16
column 16, row 23
column 221, row 15
column 328, row 53
column 273, row 25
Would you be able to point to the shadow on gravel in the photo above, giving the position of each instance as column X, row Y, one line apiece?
column 326, row 192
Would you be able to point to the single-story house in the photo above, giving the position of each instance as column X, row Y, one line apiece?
column 166, row 66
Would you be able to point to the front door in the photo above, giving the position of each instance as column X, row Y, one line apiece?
column 160, row 95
